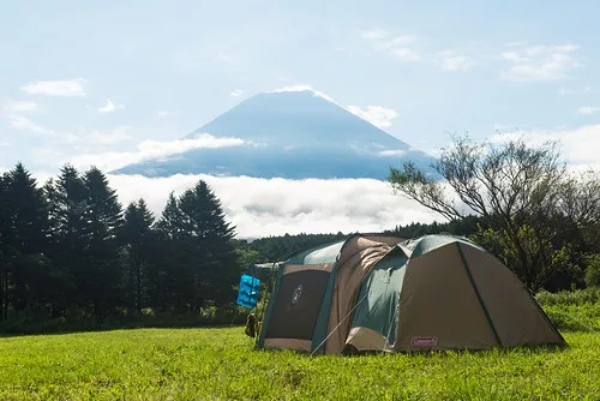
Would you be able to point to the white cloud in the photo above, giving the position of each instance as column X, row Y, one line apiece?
column 71, row 87
column 237, row 93
column 565, row 91
column 395, row 42
column 226, row 58
column 579, row 146
column 515, row 44
column 588, row 110
column 540, row 63
column 375, row 34
column 403, row 48
column 405, row 54
column 303, row 88
column 395, row 152
column 163, row 113
column 377, row 115
column 449, row 60
column 399, row 47
column 117, row 135
column 19, row 106
column 110, row 106
column 25, row 124
column 277, row 206
column 152, row 149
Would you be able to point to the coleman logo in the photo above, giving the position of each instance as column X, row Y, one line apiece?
column 424, row 341
column 296, row 295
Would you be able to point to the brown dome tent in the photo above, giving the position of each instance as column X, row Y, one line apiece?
column 380, row 293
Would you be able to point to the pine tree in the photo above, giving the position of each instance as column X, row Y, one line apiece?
column 103, row 216
column 24, row 239
column 69, row 236
column 200, row 264
column 169, row 275
column 138, row 237
column 4, row 244
column 211, row 258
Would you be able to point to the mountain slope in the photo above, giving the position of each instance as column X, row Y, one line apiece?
column 290, row 135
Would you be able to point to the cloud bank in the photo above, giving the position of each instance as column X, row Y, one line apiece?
column 262, row 207
column 146, row 150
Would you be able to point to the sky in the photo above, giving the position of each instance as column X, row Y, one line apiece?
column 98, row 82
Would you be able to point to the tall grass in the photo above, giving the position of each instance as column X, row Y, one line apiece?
column 573, row 310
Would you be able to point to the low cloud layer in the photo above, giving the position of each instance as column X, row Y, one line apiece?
column 150, row 150
column 262, row 207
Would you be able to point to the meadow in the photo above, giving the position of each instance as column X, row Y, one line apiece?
column 220, row 364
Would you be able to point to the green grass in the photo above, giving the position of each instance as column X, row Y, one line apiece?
column 219, row 364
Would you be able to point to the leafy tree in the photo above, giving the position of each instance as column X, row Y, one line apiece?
column 278, row 248
column 466, row 226
column 592, row 274
column 523, row 194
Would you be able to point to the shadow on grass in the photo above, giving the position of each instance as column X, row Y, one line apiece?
column 52, row 327
column 529, row 349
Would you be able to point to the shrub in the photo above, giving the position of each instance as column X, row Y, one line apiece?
column 592, row 274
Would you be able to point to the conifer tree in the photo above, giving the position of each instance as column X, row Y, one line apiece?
column 104, row 219
column 69, row 235
column 138, row 238
column 24, row 234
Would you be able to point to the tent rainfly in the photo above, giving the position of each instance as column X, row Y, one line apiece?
column 381, row 293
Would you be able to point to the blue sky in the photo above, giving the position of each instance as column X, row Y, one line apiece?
column 89, row 81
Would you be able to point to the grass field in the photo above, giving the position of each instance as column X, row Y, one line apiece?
column 219, row 364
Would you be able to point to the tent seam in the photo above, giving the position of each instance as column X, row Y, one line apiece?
column 478, row 295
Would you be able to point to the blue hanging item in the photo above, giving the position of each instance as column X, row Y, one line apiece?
column 248, row 292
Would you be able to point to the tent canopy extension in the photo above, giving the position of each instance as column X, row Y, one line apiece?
column 382, row 293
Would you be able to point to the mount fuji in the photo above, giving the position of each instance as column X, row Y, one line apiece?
column 289, row 134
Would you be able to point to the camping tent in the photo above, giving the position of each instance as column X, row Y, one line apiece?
column 381, row 293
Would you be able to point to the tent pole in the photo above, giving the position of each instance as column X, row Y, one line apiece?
column 261, row 321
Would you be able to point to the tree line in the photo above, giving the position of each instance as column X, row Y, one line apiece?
column 70, row 247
